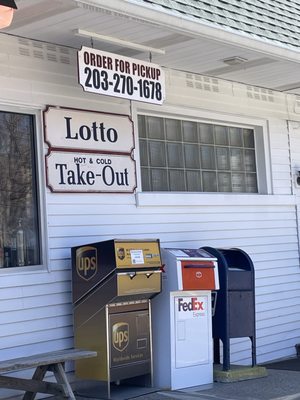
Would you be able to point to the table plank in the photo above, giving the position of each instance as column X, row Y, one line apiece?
column 36, row 360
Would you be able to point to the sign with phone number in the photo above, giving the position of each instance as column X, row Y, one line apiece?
column 113, row 75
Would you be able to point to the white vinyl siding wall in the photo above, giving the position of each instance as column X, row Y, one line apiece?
column 36, row 310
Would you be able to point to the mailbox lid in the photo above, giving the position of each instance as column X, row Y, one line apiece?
column 239, row 279
column 198, row 275
column 133, row 283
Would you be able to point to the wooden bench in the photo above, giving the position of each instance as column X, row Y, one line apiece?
column 53, row 362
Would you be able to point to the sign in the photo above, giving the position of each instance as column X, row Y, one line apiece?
column 120, row 336
column 191, row 307
column 143, row 254
column 130, row 340
column 86, row 262
column 192, row 321
column 87, row 130
column 87, row 172
column 114, row 75
column 137, row 257
column 89, row 151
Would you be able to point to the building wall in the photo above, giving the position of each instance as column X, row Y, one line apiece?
column 36, row 310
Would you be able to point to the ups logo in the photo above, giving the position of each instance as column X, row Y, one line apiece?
column 86, row 262
column 120, row 336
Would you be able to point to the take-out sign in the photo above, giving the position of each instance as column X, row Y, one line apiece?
column 88, row 172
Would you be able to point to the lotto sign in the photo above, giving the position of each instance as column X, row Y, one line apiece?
column 67, row 128
column 114, row 75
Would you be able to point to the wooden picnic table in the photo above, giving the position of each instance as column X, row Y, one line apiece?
column 52, row 361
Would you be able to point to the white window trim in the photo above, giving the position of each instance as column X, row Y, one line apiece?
column 204, row 198
column 41, row 192
column 186, row 199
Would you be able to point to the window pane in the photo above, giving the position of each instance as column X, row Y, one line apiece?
column 175, row 158
column 145, row 179
column 209, row 182
column 235, row 135
column 224, row 182
column 177, row 180
column 222, row 158
column 193, row 181
column 189, row 131
column 19, row 234
column 157, row 154
column 159, row 179
column 238, row 182
column 251, row 183
column 249, row 158
column 142, row 125
column 206, row 133
column 248, row 136
column 236, row 159
column 144, row 153
column 155, row 127
column 173, row 130
column 191, row 156
column 221, row 135
column 207, row 157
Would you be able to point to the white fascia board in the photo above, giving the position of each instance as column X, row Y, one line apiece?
column 188, row 26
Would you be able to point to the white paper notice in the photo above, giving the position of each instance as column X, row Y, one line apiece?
column 137, row 256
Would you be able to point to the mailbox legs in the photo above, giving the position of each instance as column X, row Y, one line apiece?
column 217, row 359
column 226, row 352
column 253, row 343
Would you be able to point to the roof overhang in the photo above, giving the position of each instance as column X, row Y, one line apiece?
column 188, row 44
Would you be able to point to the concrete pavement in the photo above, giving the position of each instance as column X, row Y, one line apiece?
column 277, row 385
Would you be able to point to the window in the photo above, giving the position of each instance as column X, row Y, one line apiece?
column 19, row 225
column 178, row 155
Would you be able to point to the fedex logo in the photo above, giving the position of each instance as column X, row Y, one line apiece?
column 193, row 305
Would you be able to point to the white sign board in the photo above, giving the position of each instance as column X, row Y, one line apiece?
column 86, row 172
column 87, row 130
column 114, row 75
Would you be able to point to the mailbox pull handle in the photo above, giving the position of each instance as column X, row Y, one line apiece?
column 148, row 274
column 199, row 265
column 131, row 275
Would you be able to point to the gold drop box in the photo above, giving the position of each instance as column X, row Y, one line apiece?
column 112, row 285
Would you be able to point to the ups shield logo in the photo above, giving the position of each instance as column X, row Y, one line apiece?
column 120, row 336
column 86, row 262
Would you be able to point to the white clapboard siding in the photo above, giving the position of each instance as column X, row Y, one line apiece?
column 280, row 156
column 36, row 306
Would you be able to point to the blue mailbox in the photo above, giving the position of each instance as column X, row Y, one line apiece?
column 234, row 315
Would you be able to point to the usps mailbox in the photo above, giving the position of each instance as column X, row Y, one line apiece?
column 182, row 325
column 235, row 311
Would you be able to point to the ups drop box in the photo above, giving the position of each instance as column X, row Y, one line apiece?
column 132, row 267
column 113, row 282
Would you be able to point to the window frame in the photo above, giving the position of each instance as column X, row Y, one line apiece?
column 262, row 155
column 38, row 154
